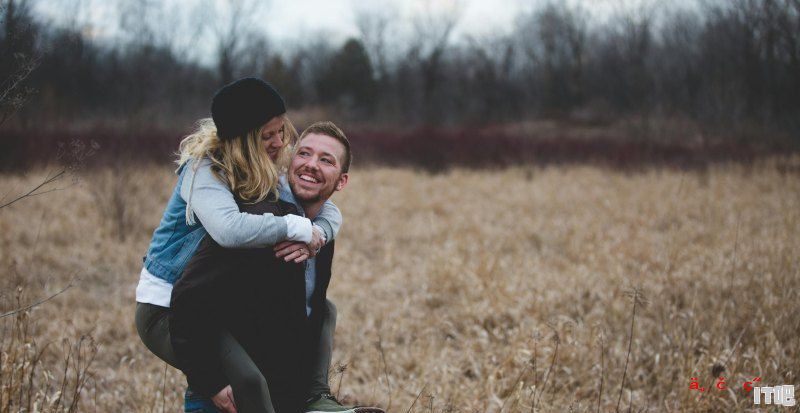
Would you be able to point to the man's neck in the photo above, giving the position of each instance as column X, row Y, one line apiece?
column 311, row 208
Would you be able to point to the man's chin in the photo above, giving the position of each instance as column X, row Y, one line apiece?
column 307, row 197
column 304, row 194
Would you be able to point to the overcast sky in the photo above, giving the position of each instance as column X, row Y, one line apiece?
column 478, row 17
column 288, row 22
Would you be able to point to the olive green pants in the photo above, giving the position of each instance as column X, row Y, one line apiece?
column 249, row 386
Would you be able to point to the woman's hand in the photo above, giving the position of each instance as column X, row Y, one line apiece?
column 300, row 251
column 224, row 400
column 317, row 240
column 293, row 251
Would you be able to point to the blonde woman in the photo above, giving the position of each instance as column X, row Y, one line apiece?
column 238, row 154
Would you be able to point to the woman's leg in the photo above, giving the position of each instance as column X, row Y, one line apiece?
column 322, row 353
column 152, row 323
column 250, row 392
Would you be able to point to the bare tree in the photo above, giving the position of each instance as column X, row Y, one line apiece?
column 375, row 25
column 489, row 68
column 18, row 58
column 432, row 32
column 677, row 70
column 554, row 39
column 716, row 62
column 232, row 23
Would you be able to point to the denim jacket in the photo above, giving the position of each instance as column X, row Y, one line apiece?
column 174, row 241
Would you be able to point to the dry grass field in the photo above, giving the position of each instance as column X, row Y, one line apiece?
column 526, row 289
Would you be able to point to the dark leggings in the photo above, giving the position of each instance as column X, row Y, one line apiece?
column 249, row 386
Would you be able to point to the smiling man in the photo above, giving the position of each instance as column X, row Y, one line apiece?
column 320, row 165
column 275, row 310
column 319, row 168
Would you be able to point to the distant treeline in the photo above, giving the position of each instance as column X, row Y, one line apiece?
column 728, row 65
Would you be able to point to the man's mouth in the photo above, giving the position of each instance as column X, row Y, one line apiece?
column 308, row 178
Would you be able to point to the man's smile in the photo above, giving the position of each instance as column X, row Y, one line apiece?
column 308, row 178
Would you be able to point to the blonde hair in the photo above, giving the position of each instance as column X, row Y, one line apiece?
column 240, row 162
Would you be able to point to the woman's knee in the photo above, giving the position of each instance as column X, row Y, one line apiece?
column 153, row 329
column 140, row 321
column 147, row 316
column 250, row 384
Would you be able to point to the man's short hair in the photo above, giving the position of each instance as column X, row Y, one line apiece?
column 328, row 128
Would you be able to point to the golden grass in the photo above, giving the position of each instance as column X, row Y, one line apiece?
column 455, row 290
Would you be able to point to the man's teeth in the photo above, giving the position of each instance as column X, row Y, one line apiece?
column 308, row 178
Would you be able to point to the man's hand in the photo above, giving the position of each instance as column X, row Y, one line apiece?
column 293, row 251
column 224, row 400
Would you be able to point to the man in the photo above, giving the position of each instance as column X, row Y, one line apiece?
column 262, row 309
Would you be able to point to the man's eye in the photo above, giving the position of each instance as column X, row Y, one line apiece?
column 326, row 160
column 303, row 153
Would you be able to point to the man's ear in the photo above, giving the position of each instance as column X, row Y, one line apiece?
column 342, row 182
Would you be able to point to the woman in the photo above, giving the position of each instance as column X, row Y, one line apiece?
column 237, row 154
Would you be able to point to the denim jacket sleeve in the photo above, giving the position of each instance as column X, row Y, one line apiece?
column 213, row 204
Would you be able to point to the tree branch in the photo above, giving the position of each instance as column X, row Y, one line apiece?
column 32, row 192
column 42, row 301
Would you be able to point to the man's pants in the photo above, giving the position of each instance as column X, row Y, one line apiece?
column 250, row 390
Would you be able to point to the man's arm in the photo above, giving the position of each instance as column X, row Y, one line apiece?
column 330, row 220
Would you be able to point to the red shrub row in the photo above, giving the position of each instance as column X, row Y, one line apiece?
column 428, row 148
column 436, row 149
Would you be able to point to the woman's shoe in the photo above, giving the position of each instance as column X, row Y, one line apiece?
column 195, row 403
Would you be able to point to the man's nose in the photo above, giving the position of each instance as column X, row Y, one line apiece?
column 312, row 163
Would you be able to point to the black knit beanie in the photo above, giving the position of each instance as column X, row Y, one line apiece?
column 244, row 105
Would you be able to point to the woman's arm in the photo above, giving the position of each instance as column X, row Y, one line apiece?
column 213, row 204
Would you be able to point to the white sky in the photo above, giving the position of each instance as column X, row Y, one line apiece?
column 478, row 17
column 338, row 16
column 288, row 22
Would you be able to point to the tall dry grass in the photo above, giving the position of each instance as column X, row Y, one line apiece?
column 526, row 289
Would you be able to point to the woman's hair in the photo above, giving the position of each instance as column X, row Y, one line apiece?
column 241, row 162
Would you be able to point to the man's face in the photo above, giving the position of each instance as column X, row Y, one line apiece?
column 315, row 171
